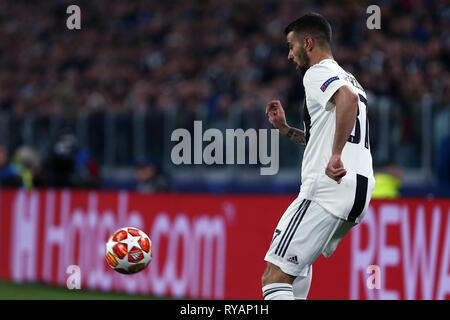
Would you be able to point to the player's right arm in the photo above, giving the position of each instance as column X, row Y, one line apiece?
column 277, row 118
column 346, row 102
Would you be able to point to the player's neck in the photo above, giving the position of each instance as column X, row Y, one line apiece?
column 322, row 55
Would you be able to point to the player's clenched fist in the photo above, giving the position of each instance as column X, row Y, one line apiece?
column 276, row 116
column 335, row 168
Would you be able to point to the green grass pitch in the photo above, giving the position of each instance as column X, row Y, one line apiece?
column 28, row 291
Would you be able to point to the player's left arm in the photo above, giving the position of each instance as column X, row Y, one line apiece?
column 346, row 102
column 277, row 118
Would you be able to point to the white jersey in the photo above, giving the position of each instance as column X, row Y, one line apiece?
column 349, row 199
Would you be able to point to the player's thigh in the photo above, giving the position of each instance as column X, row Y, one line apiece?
column 341, row 231
column 301, row 237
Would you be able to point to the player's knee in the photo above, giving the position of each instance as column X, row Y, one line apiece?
column 273, row 274
column 265, row 279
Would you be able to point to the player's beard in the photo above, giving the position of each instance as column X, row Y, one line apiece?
column 303, row 57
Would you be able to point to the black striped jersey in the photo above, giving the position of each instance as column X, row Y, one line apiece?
column 349, row 199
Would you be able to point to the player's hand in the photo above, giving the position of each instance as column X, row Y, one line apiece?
column 335, row 168
column 276, row 115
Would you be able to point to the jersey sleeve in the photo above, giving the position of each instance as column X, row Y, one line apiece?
column 321, row 82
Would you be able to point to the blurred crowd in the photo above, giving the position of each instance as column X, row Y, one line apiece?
column 208, row 59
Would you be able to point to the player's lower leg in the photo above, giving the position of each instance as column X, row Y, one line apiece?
column 277, row 285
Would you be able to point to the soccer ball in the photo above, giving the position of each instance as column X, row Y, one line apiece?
column 128, row 250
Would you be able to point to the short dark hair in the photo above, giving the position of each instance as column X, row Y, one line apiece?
column 315, row 25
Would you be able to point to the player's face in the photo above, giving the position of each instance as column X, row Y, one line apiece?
column 297, row 53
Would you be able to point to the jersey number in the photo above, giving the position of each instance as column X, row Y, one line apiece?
column 277, row 233
column 357, row 137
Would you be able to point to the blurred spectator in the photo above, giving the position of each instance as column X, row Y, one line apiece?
column 59, row 167
column 149, row 177
column 388, row 180
column 28, row 164
column 9, row 174
column 443, row 162
column 87, row 174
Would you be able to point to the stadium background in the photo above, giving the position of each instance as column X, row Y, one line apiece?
column 85, row 123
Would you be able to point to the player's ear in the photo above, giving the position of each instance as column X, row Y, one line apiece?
column 308, row 43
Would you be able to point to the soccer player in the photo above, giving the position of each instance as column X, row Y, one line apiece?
column 337, row 175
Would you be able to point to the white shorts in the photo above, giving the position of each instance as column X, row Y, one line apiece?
column 304, row 232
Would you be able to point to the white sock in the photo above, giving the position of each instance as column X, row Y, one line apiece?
column 301, row 285
column 278, row 291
